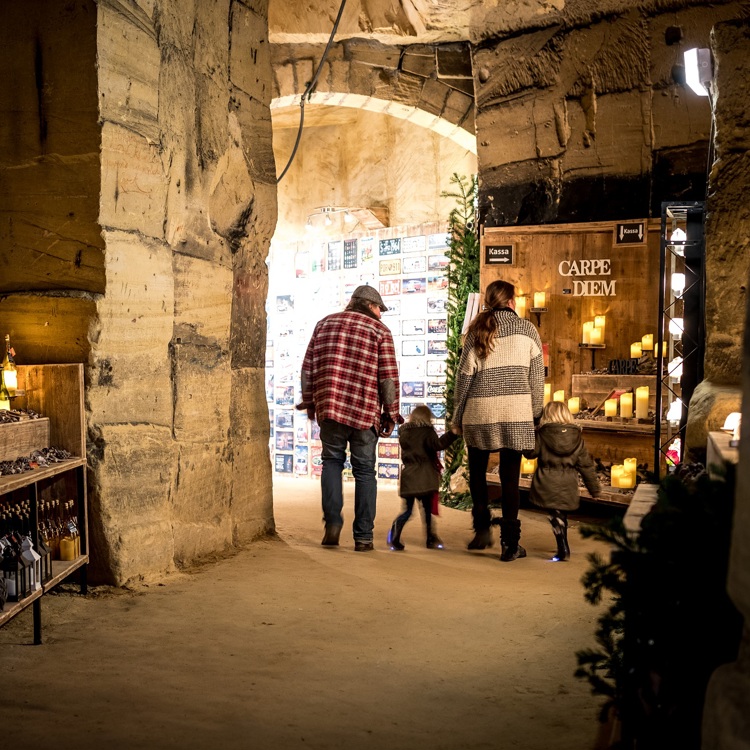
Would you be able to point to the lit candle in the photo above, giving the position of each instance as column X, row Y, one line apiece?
column 521, row 307
column 595, row 336
column 626, row 405
column 616, row 471
column 540, row 299
column 528, row 465
column 641, row 402
column 630, row 464
column 574, row 404
column 627, row 478
column 636, row 350
column 558, row 396
column 600, row 321
column 588, row 326
column 610, row 407
column 647, row 342
column 547, row 393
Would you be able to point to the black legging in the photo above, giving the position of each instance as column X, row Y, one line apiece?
column 510, row 472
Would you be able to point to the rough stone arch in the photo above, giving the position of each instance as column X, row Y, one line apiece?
column 428, row 84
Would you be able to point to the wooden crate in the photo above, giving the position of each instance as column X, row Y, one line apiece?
column 21, row 438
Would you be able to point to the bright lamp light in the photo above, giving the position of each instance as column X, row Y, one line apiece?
column 698, row 69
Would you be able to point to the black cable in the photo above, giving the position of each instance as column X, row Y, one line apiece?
column 309, row 90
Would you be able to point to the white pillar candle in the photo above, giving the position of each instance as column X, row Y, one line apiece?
column 574, row 404
column 547, row 393
column 610, row 407
column 627, row 479
column 635, row 350
column 641, row 402
column 600, row 321
column 647, row 342
column 630, row 464
column 616, row 472
column 595, row 337
column 626, row 405
column 528, row 465
column 588, row 326
column 521, row 307
column 540, row 299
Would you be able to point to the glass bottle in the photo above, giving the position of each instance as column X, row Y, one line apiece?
column 4, row 395
column 10, row 374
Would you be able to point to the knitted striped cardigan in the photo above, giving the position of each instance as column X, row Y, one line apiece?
column 497, row 399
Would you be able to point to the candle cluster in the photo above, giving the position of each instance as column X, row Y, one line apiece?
column 624, row 404
column 623, row 475
column 646, row 344
column 593, row 330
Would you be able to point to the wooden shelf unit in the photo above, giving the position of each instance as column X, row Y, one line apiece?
column 56, row 392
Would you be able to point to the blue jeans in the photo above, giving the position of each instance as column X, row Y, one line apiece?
column 362, row 446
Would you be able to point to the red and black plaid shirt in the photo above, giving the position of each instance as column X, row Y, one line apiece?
column 350, row 372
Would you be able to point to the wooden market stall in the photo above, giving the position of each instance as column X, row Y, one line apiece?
column 606, row 272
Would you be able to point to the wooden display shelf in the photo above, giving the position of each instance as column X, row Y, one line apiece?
column 61, row 569
column 14, row 608
column 609, row 495
column 56, row 391
column 11, row 482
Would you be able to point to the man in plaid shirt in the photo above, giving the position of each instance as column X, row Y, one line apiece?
column 350, row 384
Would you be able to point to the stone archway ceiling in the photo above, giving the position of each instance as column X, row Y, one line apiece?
column 290, row 104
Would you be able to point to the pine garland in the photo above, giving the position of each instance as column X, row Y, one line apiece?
column 463, row 279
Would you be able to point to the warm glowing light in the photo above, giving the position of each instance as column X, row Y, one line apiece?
column 636, row 350
column 641, row 402
column 647, row 342
column 540, row 299
column 610, row 407
column 547, row 393
column 626, row 405
column 558, row 396
column 574, row 404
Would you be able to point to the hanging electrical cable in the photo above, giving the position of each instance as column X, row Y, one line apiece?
column 309, row 90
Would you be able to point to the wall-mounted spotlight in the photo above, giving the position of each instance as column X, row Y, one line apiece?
column 698, row 70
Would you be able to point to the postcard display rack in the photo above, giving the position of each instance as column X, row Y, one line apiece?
column 55, row 392
column 407, row 266
column 592, row 290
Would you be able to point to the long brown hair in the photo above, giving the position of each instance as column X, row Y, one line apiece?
column 497, row 296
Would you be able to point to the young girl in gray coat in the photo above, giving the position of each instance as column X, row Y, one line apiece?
column 420, row 473
column 561, row 455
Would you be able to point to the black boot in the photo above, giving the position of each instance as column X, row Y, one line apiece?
column 482, row 539
column 434, row 541
column 510, row 535
column 394, row 536
column 559, row 523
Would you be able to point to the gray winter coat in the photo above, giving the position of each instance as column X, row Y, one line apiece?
column 497, row 398
column 420, row 445
column 562, row 455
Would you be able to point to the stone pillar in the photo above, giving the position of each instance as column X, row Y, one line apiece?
column 177, row 412
column 727, row 709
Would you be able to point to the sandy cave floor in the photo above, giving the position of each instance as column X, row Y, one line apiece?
column 291, row 645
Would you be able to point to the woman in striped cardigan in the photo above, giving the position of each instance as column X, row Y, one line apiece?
column 499, row 396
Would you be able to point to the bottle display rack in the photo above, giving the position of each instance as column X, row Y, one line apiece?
column 55, row 490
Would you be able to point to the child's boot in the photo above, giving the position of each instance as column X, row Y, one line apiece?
column 394, row 536
column 559, row 523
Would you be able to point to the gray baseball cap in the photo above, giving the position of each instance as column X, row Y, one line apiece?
column 369, row 294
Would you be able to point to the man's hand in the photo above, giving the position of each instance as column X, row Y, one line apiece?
column 386, row 426
column 456, row 430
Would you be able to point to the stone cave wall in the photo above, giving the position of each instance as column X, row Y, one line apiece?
column 585, row 116
column 139, row 199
